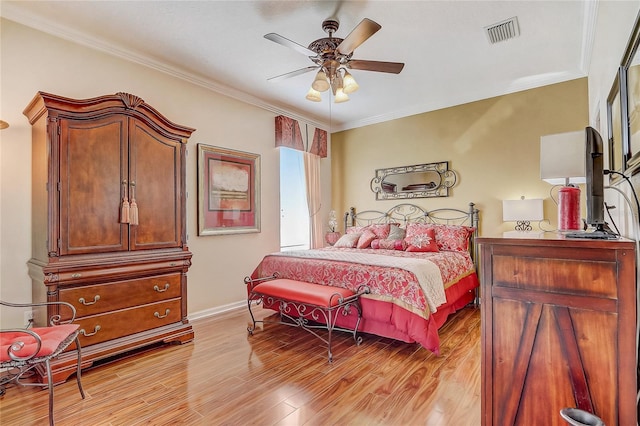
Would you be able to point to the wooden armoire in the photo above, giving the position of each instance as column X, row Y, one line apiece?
column 109, row 222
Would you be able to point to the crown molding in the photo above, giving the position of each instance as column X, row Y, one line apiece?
column 12, row 13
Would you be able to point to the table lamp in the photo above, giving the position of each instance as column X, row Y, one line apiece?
column 522, row 212
column 562, row 162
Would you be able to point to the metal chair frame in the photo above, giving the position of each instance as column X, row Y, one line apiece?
column 18, row 366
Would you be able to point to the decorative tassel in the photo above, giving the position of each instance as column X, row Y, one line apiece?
column 125, row 209
column 134, row 212
column 133, row 217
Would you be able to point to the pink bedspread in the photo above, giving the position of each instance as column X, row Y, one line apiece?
column 397, row 306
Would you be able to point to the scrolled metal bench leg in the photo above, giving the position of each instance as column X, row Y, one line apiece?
column 330, row 324
column 356, row 338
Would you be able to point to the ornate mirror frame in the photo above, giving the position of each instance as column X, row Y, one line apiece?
column 417, row 181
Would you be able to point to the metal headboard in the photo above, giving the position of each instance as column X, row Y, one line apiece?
column 411, row 213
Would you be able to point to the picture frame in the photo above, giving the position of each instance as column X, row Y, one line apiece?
column 630, row 93
column 228, row 191
column 617, row 150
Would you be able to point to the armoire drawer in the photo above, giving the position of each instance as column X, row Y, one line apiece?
column 99, row 298
column 111, row 325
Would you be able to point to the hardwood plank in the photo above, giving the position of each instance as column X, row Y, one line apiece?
column 277, row 376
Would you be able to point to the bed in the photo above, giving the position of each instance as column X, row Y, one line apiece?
column 420, row 267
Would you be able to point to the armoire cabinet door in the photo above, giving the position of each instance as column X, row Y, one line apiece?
column 93, row 165
column 155, row 176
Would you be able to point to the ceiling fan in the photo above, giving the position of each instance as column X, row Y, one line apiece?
column 332, row 56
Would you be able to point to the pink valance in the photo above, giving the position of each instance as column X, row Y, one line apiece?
column 288, row 134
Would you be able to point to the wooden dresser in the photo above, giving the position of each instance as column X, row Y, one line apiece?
column 109, row 222
column 558, row 330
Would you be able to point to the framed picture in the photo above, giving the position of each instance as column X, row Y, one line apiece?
column 228, row 191
column 617, row 151
column 630, row 93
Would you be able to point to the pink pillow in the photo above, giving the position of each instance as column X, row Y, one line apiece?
column 423, row 242
column 453, row 237
column 389, row 244
column 365, row 239
column 355, row 229
column 448, row 237
column 417, row 228
column 381, row 230
column 348, row 241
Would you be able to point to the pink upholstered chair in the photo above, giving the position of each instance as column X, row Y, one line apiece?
column 22, row 349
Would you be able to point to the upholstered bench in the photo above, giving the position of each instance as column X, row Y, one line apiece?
column 305, row 305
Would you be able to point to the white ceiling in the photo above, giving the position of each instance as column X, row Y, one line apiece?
column 220, row 45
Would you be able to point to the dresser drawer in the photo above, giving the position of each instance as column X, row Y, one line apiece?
column 556, row 275
column 111, row 325
column 100, row 298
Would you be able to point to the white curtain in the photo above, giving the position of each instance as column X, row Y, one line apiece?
column 314, row 201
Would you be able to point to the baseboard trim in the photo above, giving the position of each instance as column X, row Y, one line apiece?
column 207, row 313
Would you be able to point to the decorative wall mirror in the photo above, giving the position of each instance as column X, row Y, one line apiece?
column 419, row 181
column 630, row 93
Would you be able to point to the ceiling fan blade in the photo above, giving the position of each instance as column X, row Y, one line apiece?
column 365, row 29
column 292, row 73
column 390, row 67
column 277, row 38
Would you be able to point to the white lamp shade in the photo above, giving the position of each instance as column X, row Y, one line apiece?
column 313, row 95
column 522, row 210
column 349, row 84
column 320, row 83
column 340, row 96
column 562, row 158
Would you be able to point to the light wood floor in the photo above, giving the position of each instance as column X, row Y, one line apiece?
column 278, row 376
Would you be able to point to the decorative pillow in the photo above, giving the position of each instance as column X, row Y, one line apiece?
column 389, row 244
column 381, row 230
column 424, row 241
column 453, row 237
column 355, row 229
column 414, row 229
column 348, row 240
column 365, row 239
column 396, row 233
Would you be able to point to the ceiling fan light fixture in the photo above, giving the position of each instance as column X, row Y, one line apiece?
column 313, row 95
column 340, row 96
column 349, row 84
column 320, row 83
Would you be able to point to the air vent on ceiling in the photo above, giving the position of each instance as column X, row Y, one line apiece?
column 503, row 30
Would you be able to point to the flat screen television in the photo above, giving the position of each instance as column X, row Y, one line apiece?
column 594, row 170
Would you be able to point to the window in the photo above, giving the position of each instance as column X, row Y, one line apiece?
column 294, row 214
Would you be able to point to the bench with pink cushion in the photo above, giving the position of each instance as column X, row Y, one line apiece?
column 305, row 305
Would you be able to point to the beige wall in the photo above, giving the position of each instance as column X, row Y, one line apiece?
column 33, row 61
column 493, row 145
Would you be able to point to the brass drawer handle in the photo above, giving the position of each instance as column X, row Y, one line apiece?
column 85, row 303
column 159, row 290
column 76, row 275
column 166, row 313
column 95, row 331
